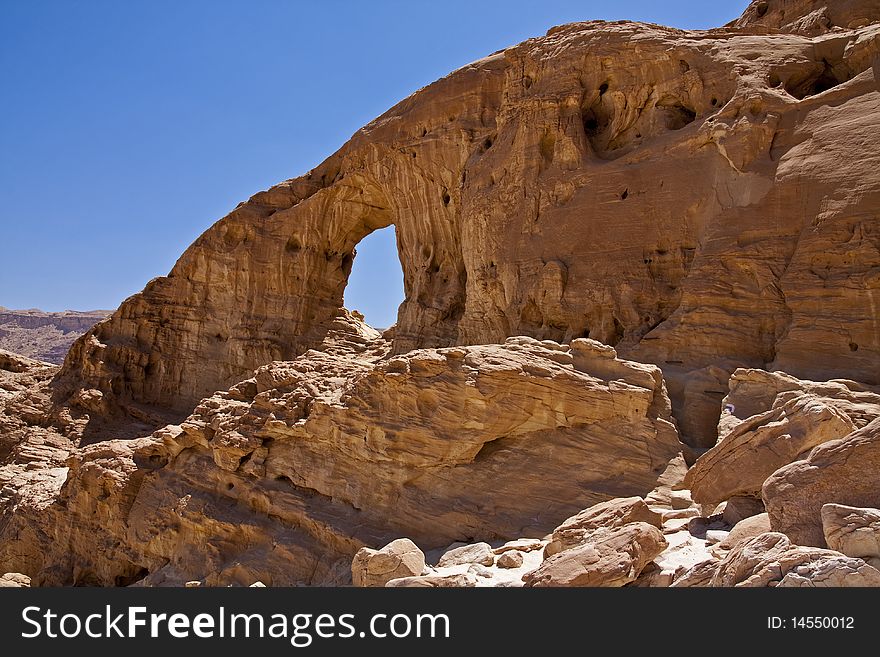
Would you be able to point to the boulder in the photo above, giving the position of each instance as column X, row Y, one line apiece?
column 479, row 553
column 400, row 558
column 832, row 571
column 612, row 557
column 14, row 581
column 740, row 507
column 613, row 513
column 842, row 471
column 852, row 530
column 699, row 575
column 455, row 580
column 746, row 528
column 510, row 559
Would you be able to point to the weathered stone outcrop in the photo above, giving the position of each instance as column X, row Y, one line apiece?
column 752, row 392
column 701, row 200
column 648, row 211
column 18, row 373
column 809, row 16
column 285, row 476
column 772, row 560
column 842, row 471
column 741, row 462
column 771, row 419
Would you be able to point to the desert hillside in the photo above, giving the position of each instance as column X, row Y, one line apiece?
column 44, row 336
column 640, row 342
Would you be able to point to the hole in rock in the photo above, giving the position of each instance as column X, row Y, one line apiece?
column 677, row 116
column 446, row 198
column 131, row 578
column 293, row 245
column 761, row 9
column 625, row 194
column 853, row 346
column 603, row 88
column 817, row 80
column 714, row 102
column 375, row 284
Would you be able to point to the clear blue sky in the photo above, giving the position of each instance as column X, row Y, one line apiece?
column 128, row 127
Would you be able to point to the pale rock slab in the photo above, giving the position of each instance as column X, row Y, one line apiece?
column 400, row 558
column 852, row 530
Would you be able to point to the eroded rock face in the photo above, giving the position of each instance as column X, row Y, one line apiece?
column 687, row 200
column 14, row 580
column 809, row 16
column 570, row 186
column 741, row 462
column 285, row 476
column 842, row 471
column 752, row 392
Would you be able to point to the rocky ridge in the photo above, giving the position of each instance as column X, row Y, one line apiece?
column 45, row 336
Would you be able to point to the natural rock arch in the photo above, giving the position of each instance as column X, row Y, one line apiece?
column 659, row 202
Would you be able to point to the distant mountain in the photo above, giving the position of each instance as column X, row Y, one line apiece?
column 44, row 336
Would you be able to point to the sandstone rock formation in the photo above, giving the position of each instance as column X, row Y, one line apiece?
column 18, row 373
column 608, row 234
column 741, row 462
column 45, row 336
column 479, row 553
column 842, row 471
column 689, row 201
column 14, row 580
column 752, row 392
column 745, row 529
column 771, row 559
column 809, row 16
column 322, row 455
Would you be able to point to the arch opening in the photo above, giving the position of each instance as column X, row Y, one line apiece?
column 375, row 283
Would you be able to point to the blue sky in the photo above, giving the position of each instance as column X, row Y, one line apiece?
column 127, row 128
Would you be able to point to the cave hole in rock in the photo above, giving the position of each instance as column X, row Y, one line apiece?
column 676, row 115
column 375, row 284
column 822, row 77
